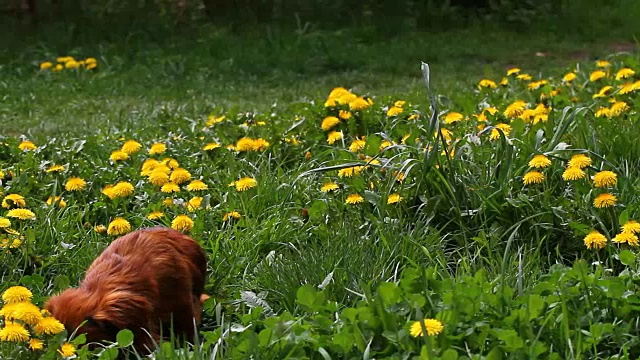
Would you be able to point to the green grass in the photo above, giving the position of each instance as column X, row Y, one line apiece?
column 194, row 70
column 501, row 264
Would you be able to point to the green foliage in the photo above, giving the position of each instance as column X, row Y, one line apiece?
column 571, row 312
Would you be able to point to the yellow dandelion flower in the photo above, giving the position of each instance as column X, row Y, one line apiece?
column 158, row 177
column 524, row 77
column 48, row 326
column 579, row 161
column 329, row 122
column 350, row 171
column 603, row 63
column 171, row 163
column 197, row 185
column 36, row 344
column 232, row 215
column 603, row 112
column 504, row 81
column 108, row 191
column 354, row 199
column 453, row 117
column 539, row 161
column 27, row 313
column 119, row 155
column 46, row 65
column 627, row 88
column 180, row 176
column 27, row 146
column 618, row 108
column 573, row 173
column 360, row 103
column 182, row 223
column 603, row 92
column 211, row 146
column 15, row 243
column 22, row 214
column 194, row 203
column 597, row 75
column 154, row 215
column 631, row 226
column 293, row 140
column 605, row 200
column 385, row 144
column 624, row 73
column 14, row 332
column 57, row 68
column 119, row 226
column 67, row 350
column 122, row 189
column 486, row 83
column 170, row 187
column 91, row 66
column 16, row 294
column 357, row 144
column 168, row 202
column 7, row 311
column 605, row 179
column 100, row 229
column 4, row 223
column 212, row 120
column 55, row 168
column 13, row 200
column 512, row 71
column 339, row 96
column 569, row 77
column 534, row 85
column 149, row 165
column 495, row 134
column 595, row 240
column 433, row 327
column 515, row 109
column 413, row 117
column 245, row 183
column 394, row 199
column 626, row 237
column 344, row 114
column 131, row 147
column 75, row 184
column 491, row 110
column 56, row 200
column 329, row 186
column 157, row 148
column 334, row 136
column 261, row 144
column 71, row 64
column 245, row 144
column 394, row 111
column 533, row 177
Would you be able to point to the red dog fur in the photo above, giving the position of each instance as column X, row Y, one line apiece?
column 144, row 281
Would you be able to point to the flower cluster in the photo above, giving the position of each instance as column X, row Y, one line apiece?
column 68, row 63
column 24, row 324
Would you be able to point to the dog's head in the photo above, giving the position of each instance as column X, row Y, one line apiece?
column 81, row 312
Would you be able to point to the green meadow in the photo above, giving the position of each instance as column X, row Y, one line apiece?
column 469, row 193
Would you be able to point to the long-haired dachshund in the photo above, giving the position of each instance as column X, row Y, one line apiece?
column 150, row 281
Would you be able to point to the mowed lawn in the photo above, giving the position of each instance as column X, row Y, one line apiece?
column 352, row 201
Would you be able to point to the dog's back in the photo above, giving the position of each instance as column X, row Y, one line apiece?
column 143, row 281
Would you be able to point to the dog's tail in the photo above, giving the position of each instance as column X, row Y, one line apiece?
column 204, row 298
